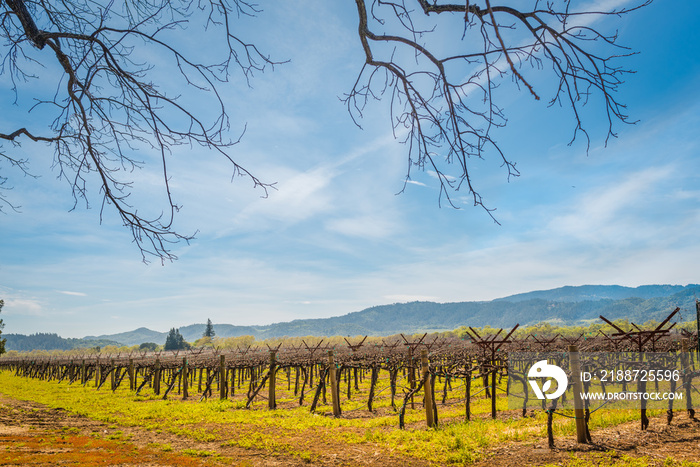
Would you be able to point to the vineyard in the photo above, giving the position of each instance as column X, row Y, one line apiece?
column 410, row 382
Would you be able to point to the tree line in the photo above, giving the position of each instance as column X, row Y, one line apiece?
column 175, row 341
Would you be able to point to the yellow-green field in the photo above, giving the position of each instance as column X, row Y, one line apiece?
column 224, row 432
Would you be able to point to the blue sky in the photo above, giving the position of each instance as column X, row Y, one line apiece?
column 335, row 237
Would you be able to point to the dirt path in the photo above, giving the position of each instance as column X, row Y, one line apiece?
column 33, row 434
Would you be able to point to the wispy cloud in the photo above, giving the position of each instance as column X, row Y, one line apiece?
column 23, row 307
column 297, row 197
column 333, row 238
column 601, row 211
column 368, row 226
column 76, row 294
column 413, row 182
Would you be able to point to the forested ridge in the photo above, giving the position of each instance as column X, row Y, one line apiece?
column 51, row 341
column 561, row 306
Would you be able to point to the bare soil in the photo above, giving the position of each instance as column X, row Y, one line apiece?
column 33, row 434
column 660, row 444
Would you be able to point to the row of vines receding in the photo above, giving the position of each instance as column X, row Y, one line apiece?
column 387, row 376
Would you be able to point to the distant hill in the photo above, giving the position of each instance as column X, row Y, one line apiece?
column 564, row 305
column 135, row 337
column 44, row 341
column 191, row 333
column 599, row 292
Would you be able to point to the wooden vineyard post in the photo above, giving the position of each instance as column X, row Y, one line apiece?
column 156, row 378
column 575, row 365
column 132, row 381
column 97, row 372
column 71, row 370
column 686, row 378
column 334, row 385
column 411, row 377
column 494, row 374
column 271, row 401
column 296, row 381
column 427, row 389
column 185, row 379
column 222, row 377
column 468, row 395
column 113, row 379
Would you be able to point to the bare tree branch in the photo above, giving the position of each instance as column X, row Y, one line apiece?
column 439, row 64
column 444, row 99
column 106, row 109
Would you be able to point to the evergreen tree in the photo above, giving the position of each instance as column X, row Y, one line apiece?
column 2, row 325
column 175, row 341
column 209, row 330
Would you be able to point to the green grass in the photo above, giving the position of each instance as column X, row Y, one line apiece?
column 612, row 459
column 294, row 431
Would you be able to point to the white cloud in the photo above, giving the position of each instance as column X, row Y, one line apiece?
column 297, row 197
column 368, row 226
column 602, row 212
column 77, row 294
column 334, row 239
column 604, row 5
column 23, row 307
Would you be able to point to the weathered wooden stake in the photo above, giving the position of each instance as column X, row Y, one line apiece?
column 493, row 388
column 185, row 379
column 222, row 377
column 113, row 380
column 132, row 384
column 156, row 380
column 271, row 400
column 575, row 365
column 468, row 395
column 427, row 389
column 411, row 375
column 334, row 385
column 687, row 378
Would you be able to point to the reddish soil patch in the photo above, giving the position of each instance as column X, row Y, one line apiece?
column 33, row 434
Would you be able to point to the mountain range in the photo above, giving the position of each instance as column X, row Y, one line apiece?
column 564, row 305
column 570, row 305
